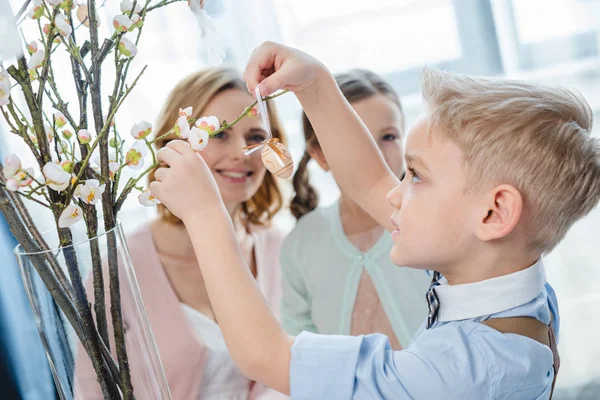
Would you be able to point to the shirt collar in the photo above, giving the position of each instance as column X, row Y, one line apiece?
column 491, row 296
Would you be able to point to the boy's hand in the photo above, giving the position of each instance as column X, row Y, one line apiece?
column 276, row 66
column 185, row 185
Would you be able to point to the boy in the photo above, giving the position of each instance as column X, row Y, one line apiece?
column 498, row 172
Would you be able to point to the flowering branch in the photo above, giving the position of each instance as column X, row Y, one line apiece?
column 133, row 182
column 47, row 53
column 71, row 185
column 104, row 131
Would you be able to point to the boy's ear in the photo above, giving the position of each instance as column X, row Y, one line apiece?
column 503, row 212
column 317, row 154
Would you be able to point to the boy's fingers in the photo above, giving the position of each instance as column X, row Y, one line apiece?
column 248, row 68
column 160, row 174
column 180, row 146
column 167, row 155
column 270, row 85
column 262, row 59
column 156, row 188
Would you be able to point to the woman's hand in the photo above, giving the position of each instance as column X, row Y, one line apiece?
column 185, row 185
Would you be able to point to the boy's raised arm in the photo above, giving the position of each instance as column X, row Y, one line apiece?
column 256, row 341
column 349, row 148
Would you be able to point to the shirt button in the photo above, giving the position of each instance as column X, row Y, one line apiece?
column 361, row 257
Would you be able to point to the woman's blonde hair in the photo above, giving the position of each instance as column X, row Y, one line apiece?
column 197, row 90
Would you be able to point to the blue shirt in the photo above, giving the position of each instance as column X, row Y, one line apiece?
column 457, row 358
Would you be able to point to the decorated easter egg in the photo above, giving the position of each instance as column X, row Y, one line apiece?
column 277, row 159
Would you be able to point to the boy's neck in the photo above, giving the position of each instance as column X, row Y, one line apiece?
column 488, row 264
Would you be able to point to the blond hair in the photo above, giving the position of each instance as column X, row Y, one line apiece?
column 198, row 90
column 533, row 137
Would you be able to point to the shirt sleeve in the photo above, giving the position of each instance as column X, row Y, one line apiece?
column 344, row 367
column 296, row 313
column 442, row 365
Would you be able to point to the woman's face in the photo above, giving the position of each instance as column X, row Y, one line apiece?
column 238, row 176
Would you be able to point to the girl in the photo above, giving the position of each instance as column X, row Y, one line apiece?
column 190, row 343
column 337, row 274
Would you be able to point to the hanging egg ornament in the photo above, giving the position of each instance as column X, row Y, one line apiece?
column 277, row 159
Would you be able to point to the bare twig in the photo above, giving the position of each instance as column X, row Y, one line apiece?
column 13, row 128
column 162, row 4
column 22, row 9
column 22, row 77
column 28, row 197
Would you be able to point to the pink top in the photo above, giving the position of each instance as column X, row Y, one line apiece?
column 368, row 315
column 182, row 354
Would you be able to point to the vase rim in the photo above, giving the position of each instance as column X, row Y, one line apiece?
column 19, row 251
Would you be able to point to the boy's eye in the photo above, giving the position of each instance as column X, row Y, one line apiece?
column 414, row 177
column 219, row 135
column 389, row 137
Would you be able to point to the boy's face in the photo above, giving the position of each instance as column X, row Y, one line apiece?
column 436, row 219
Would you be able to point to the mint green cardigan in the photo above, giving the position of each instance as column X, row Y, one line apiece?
column 321, row 272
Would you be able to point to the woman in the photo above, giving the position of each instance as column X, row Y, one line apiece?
column 192, row 350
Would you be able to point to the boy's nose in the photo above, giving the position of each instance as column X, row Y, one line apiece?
column 394, row 197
